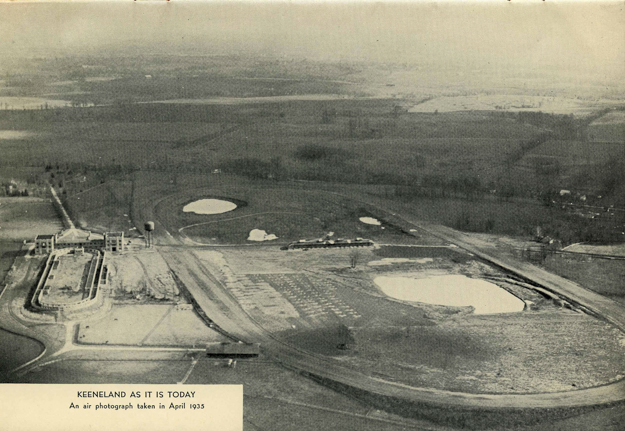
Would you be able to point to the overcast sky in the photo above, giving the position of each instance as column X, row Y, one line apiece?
column 587, row 36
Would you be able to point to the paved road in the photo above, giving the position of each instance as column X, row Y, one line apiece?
column 13, row 323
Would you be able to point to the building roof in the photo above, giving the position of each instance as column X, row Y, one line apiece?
column 115, row 234
column 71, row 236
column 44, row 236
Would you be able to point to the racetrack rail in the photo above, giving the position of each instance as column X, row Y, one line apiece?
column 225, row 311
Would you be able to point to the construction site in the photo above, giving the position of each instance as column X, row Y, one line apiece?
column 414, row 309
column 371, row 216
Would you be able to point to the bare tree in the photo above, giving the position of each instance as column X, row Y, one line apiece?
column 354, row 258
column 345, row 337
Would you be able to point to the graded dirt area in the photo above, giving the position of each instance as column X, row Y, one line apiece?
column 148, row 325
column 141, row 275
column 511, row 353
column 316, row 301
column 183, row 328
column 67, row 279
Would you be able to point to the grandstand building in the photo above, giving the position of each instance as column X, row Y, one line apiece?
column 78, row 238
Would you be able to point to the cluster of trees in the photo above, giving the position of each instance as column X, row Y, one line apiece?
column 613, row 180
column 312, row 153
column 328, row 116
column 248, row 167
column 561, row 126
column 465, row 222
column 360, row 127
column 432, row 185
column 547, row 167
column 566, row 227
column 570, row 229
column 526, row 147
column 126, row 110
column 440, row 186
column 14, row 192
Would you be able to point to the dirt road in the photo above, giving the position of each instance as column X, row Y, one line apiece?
column 224, row 310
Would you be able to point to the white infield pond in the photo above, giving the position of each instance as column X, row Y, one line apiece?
column 209, row 206
column 370, row 220
column 452, row 290
column 260, row 235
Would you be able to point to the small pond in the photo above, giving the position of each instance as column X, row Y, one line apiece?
column 16, row 134
column 370, row 220
column 452, row 290
column 209, row 206
column 260, row 235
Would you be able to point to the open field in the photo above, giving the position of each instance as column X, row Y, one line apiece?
column 113, row 329
column 454, row 350
column 25, row 218
column 614, row 117
column 609, row 132
column 499, row 354
column 289, row 214
column 8, row 252
column 160, row 325
column 599, row 275
column 450, row 155
column 112, row 79
column 514, row 103
column 608, row 128
column 222, row 132
column 515, row 218
column 16, row 350
column 22, row 219
column 568, row 154
column 103, row 207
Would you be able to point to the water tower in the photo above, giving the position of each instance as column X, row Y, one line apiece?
column 149, row 228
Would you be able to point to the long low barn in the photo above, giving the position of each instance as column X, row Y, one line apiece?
column 331, row 243
column 233, row 349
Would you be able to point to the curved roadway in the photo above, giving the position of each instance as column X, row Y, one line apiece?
column 225, row 311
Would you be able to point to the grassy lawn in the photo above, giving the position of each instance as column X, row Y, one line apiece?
column 16, row 350
column 599, row 275
column 291, row 214
column 8, row 252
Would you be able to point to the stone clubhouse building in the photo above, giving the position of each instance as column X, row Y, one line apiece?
column 78, row 238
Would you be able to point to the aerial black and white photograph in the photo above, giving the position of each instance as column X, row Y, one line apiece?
column 384, row 215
